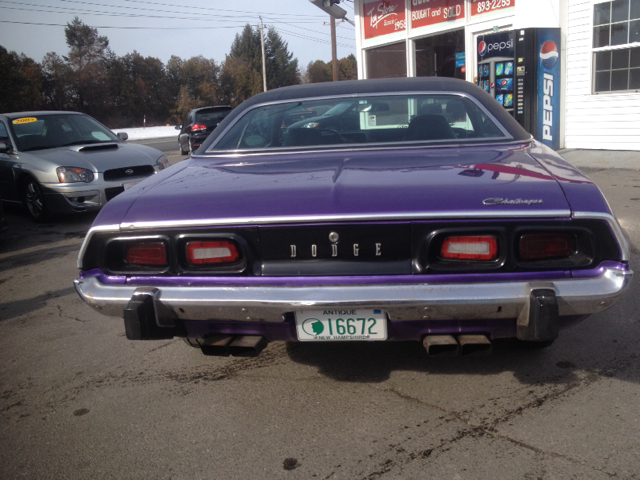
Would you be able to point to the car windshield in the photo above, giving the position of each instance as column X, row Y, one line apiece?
column 364, row 120
column 211, row 116
column 40, row 132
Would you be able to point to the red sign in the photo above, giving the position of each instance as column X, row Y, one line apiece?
column 429, row 12
column 479, row 7
column 383, row 16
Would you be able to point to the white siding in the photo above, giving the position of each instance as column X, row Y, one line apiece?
column 603, row 121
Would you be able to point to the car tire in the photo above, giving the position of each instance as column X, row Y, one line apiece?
column 34, row 202
column 183, row 151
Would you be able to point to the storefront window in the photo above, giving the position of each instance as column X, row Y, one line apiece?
column 387, row 61
column 436, row 55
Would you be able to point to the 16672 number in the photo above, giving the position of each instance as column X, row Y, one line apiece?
column 351, row 326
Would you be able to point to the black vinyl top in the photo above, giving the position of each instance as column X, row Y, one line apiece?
column 377, row 86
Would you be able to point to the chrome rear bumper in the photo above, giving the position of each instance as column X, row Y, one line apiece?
column 497, row 300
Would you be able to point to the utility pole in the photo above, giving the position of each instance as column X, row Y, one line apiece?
column 334, row 51
column 264, row 67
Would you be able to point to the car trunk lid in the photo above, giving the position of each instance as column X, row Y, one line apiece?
column 373, row 185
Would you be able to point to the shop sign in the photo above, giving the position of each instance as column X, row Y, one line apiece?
column 383, row 16
column 430, row 12
column 478, row 7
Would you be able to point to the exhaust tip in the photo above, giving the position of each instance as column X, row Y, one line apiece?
column 248, row 346
column 441, row 346
column 217, row 345
column 474, row 345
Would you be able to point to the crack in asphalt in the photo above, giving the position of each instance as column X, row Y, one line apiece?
column 490, row 428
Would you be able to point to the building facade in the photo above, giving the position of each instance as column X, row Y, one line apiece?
column 598, row 55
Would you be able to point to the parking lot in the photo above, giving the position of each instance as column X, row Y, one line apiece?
column 78, row 400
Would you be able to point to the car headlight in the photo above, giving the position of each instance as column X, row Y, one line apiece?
column 161, row 163
column 74, row 175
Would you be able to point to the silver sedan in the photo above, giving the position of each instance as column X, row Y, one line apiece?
column 65, row 162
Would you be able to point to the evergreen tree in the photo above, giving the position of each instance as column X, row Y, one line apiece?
column 282, row 68
column 242, row 70
column 88, row 57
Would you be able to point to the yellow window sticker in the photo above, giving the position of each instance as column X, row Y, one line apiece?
column 25, row 120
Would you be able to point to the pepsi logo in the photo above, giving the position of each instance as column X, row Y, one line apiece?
column 482, row 48
column 549, row 54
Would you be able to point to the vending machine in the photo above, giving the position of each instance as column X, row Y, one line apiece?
column 521, row 70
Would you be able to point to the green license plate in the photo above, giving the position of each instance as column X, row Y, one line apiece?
column 341, row 325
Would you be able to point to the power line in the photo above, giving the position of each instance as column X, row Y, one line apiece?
column 207, row 18
column 173, row 11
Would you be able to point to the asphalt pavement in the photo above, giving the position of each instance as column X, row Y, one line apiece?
column 602, row 158
column 78, row 400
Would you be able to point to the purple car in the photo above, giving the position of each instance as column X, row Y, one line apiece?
column 372, row 210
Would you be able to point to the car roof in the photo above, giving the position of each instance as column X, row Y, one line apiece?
column 210, row 108
column 377, row 86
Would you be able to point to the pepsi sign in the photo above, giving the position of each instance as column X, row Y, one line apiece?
column 549, row 54
column 495, row 45
column 548, row 112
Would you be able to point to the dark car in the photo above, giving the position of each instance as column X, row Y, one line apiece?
column 3, row 220
column 406, row 209
column 198, row 124
column 66, row 162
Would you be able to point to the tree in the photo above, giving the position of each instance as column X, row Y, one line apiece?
column 193, row 83
column 20, row 82
column 320, row 71
column 138, row 86
column 57, row 80
column 239, row 81
column 88, row 56
column 242, row 69
column 348, row 68
column 282, row 68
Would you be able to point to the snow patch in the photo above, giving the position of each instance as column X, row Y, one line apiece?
column 148, row 132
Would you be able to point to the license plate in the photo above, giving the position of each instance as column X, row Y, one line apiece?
column 341, row 325
column 127, row 186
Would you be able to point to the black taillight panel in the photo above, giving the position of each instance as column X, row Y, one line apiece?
column 186, row 242
column 529, row 247
column 587, row 243
column 108, row 252
column 431, row 259
column 149, row 254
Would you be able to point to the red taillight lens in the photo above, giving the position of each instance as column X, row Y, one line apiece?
column 536, row 246
column 213, row 251
column 149, row 253
column 198, row 127
column 470, row 247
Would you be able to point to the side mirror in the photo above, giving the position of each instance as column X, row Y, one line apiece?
column 123, row 135
column 4, row 147
column 178, row 127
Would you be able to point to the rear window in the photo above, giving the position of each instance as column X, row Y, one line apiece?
column 361, row 121
column 211, row 115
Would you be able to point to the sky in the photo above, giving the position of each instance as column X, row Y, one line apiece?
column 162, row 28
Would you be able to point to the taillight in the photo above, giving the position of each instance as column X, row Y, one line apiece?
column 470, row 247
column 147, row 253
column 198, row 127
column 537, row 246
column 211, row 251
